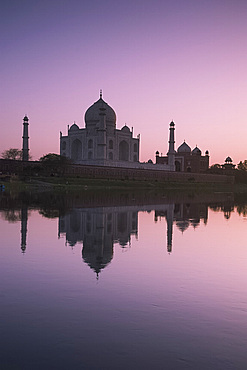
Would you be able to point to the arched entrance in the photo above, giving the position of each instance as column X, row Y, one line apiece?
column 177, row 166
column 76, row 150
column 123, row 151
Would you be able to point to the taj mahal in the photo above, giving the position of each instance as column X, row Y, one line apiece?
column 100, row 143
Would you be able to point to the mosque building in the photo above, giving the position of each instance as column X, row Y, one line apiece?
column 184, row 159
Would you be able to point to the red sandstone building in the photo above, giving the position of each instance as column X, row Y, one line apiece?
column 184, row 159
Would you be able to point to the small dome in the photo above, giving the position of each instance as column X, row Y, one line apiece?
column 196, row 151
column 92, row 114
column 172, row 124
column 207, row 152
column 228, row 160
column 182, row 225
column 74, row 127
column 184, row 148
column 125, row 129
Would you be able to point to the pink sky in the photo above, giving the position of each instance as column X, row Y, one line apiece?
column 155, row 61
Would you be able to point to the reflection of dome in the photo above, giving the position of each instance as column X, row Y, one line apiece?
column 74, row 127
column 184, row 148
column 92, row 114
column 195, row 222
column 182, row 225
column 196, row 151
column 96, row 256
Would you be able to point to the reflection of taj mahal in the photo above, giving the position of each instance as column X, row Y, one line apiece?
column 98, row 229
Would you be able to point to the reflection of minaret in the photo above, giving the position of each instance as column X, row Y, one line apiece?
column 169, row 220
column 23, row 228
column 25, row 149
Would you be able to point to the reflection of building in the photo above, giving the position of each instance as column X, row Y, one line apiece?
column 100, row 142
column 98, row 229
column 184, row 215
column 184, row 159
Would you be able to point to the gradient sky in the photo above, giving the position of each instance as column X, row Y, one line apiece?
column 156, row 61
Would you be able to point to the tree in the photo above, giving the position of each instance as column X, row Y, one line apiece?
column 215, row 166
column 243, row 165
column 12, row 153
column 54, row 163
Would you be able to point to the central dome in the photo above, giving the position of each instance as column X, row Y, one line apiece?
column 92, row 116
column 184, row 148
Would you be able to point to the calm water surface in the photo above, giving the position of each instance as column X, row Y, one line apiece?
column 114, row 286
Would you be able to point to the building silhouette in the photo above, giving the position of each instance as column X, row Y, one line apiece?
column 100, row 142
column 98, row 229
column 184, row 159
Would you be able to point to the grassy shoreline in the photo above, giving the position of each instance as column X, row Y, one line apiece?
column 60, row 184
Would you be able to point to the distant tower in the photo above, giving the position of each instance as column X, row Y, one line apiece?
column 25, row 149
column 171, row 152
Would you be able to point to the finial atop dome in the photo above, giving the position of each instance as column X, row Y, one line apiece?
column 100, row 94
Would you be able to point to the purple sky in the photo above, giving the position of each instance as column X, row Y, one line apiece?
column 155, row 61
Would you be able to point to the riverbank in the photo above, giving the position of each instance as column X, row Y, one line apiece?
column 60, row 184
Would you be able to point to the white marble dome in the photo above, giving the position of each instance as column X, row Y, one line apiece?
column 92, row 114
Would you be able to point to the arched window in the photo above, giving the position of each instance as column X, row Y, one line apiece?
column 90, row 144
column 90, row 155
column 177, row 166
column 110, row 144
column 110, row 155
column 123, row 151
column 76, row 150
column 74, row 222
column 63, row 145
column 122, row 222
column 135, row 147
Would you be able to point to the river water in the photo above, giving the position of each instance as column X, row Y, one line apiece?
column 123, row 281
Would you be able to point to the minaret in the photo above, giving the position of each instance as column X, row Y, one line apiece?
column 25, row 149
column 171, row 152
